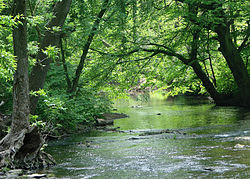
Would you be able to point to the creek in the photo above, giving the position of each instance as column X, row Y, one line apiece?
column 206, row 143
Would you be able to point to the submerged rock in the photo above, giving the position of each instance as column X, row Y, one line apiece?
column 10, row 176
column 138, row 106
column 157, row 132
column 208, row 169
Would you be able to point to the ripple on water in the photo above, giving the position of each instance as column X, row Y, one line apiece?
column 207, row 151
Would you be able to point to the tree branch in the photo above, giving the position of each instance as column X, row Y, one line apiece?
column 169, row 53
column 244, row 43
column 36, row 27
column 64, row 64
column 116, row 55
column 141, row 59
column 86, row 46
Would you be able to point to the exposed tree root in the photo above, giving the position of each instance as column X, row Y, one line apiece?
column 22, row 150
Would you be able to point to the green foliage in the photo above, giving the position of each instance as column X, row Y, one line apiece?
column 59, row 109
column 5, row 169
column 170, row 24
column 62, row 110
column 110, row 65
column 52, row 52
column 7, row 63
column 36, row 122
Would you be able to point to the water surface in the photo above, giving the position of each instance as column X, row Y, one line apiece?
column 203, row 146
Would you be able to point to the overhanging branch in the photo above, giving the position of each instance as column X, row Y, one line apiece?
column 167, row 51
column 137, row 60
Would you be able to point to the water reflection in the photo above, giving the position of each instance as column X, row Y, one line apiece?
column 207, row 151
column 174, row 114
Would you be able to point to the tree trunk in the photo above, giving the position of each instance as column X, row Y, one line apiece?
column 21, row 147
column 194, row 63
column 39, row 71
column 20, row 117
column 219, row 99
column 65, row 68
column 206, row 81
column 235, row 63
column 87, row 45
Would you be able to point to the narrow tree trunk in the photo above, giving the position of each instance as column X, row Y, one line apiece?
column 39, row 71
column 210, row 59
column 65, row 68
column 87, row 45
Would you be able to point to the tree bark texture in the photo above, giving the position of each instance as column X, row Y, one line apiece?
column 22, row 150
column 21, row 147
column 39, row 71
column 20, row 116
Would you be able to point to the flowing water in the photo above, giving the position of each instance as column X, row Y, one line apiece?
column 205, row 143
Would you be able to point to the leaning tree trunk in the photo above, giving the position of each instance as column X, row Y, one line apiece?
column 235, row 63
column 87, row 45
column 21, row 147
column 39, row 71
column 194, row 63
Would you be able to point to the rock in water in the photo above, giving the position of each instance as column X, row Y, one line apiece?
column 103, row 122
column 239, row 146
column 36, row 175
